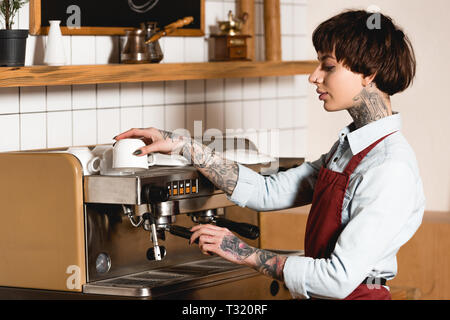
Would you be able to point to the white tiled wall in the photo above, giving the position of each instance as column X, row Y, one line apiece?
column 60, row 116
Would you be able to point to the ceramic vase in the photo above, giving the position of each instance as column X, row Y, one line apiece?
column 54, row 50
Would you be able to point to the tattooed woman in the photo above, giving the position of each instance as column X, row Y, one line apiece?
column 366, row 192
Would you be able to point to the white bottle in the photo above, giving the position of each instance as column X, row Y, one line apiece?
column 54, row 50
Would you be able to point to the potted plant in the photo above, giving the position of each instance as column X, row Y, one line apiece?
column 12, row 42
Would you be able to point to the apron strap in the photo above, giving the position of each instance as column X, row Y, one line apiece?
column 356, row 159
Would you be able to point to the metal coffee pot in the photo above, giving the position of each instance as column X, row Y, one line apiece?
column 155, row 53
column 135, row 50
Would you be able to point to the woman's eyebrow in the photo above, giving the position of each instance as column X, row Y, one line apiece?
column 324, row 57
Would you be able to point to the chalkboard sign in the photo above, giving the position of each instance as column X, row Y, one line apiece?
column 113, row 17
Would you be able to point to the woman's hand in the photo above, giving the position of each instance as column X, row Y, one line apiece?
column 221, row 172
column 156, row 140
column 221, row 241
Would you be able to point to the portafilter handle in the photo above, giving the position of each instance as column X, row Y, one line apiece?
column 182, row 232
column 246, row 230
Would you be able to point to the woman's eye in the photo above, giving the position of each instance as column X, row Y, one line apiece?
column 328, row 68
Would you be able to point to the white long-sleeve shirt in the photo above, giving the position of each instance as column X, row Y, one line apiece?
column 382, row 209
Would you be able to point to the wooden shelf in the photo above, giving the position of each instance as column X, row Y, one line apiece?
column 119, row 73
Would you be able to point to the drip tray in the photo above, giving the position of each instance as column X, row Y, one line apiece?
column 167, row 280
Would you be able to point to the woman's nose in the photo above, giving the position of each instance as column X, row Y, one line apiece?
column 315, row 76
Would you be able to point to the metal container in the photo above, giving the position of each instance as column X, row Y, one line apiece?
column 135, row 50
column 155, row 53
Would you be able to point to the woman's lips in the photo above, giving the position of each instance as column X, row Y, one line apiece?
column 323, row 96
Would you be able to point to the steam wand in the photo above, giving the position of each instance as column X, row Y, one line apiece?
column 157, row 252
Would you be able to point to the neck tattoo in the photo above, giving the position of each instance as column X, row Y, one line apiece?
column 369, row 106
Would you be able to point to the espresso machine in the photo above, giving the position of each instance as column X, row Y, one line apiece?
column 69, row 235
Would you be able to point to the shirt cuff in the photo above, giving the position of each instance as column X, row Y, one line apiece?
column 294, row 273
column 244, row 187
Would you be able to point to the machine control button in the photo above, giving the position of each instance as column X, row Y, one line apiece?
column 187, row 186
column 181, row 187
column 175, row 188
column 194, row 186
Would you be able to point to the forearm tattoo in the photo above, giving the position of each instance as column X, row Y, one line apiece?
column 221, row 172
column 166, row 134
column 369, row 106
column 266, row 262
column 270, row 264
column 239, row 249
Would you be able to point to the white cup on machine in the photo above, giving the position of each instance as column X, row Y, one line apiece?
column 105, row 154
column 123, row 157
column 89, row 162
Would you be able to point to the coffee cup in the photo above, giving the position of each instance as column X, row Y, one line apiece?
column 123, row 157
column 105, row 154
column 89, row 162
column 99, row 150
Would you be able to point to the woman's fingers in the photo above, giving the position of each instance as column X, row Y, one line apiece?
column 158, row 146
column 214, row 233
column 208, row 244
column 211, row 239
column 209, row 226
column 135, row 133
column 207, row 239
column 208, row 249
column 153, row 139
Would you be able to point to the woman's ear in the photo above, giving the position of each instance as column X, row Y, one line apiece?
column 368, row 80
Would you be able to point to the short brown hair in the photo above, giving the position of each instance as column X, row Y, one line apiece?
column 381, row 49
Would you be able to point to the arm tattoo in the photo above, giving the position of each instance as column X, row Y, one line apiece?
column 166, row 134
column 270, row 264
column 221, row 172
column 170, row 135
column 239, row 249
column 369, row 106
column 266, row 262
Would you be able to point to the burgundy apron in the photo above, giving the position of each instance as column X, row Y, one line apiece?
column 324, row 220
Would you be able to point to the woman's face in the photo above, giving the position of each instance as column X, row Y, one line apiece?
column 336, row 84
